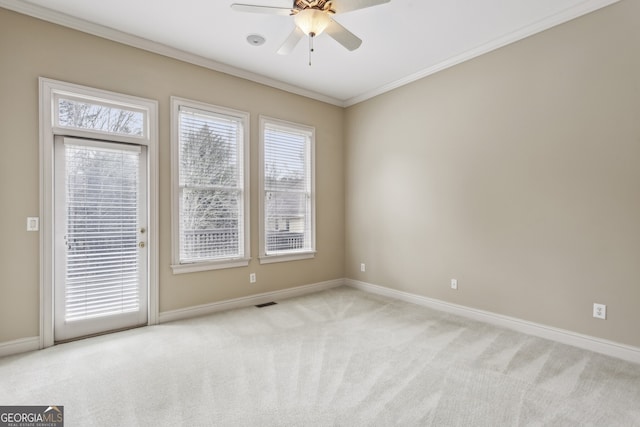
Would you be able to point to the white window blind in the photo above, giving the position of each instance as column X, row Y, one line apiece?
column 101, row 187
column 288, row 202
column 211, row 186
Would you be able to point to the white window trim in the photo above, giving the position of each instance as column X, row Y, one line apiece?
column 50, row 90
column 287, row 126
column 177, row 268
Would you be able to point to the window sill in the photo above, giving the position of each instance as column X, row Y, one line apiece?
column 269, row 259
column 209, row 265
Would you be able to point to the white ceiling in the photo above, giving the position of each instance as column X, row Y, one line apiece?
column 402, row 40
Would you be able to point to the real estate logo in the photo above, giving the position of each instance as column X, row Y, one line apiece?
column 32, row 416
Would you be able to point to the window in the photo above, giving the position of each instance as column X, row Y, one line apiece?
column 210, row 175
column 99, row 115
column 287, row 198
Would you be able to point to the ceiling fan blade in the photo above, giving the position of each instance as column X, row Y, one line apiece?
column 261, row 9
column 342, row 6
column 291, row 41
column 343, row 36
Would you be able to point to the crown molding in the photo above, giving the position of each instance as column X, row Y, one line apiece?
column 158, row 48
column 45, row 14
column 569, row 14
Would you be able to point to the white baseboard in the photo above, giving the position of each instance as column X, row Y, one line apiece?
column 586, row 342
column 609, row 348
column 201, row 310
column 19, row 346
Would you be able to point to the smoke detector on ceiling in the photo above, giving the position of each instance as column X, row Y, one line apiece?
column 255, row 40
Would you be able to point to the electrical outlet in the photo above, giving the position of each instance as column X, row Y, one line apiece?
column 252, row 278
column 454, row 284
column 600, row 311
column 363, row 268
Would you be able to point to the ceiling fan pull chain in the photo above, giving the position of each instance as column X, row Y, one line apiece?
column 310, row 47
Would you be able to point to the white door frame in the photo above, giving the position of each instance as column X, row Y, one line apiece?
column 49, row 128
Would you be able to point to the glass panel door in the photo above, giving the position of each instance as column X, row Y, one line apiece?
column 100, row 241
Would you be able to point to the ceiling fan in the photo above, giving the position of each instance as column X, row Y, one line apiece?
column 313, row 17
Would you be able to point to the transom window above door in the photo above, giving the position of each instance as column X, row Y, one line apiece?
column 100, row 116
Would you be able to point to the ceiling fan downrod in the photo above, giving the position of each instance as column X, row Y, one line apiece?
column 311, row 36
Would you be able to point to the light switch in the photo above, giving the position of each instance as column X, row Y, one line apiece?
column 33, row 223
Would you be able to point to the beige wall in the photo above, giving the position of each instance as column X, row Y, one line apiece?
column 517, row 173
column 30, row 48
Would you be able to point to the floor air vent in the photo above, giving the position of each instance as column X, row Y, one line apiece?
column 266, row 304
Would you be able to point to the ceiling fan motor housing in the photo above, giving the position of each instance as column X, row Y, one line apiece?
column 323, row 5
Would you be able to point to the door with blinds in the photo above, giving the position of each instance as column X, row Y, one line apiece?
column 100, row 258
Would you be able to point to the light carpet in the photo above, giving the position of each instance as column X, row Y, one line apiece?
column 340, row 357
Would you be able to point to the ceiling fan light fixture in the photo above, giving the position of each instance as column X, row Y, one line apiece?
column 312, row 21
